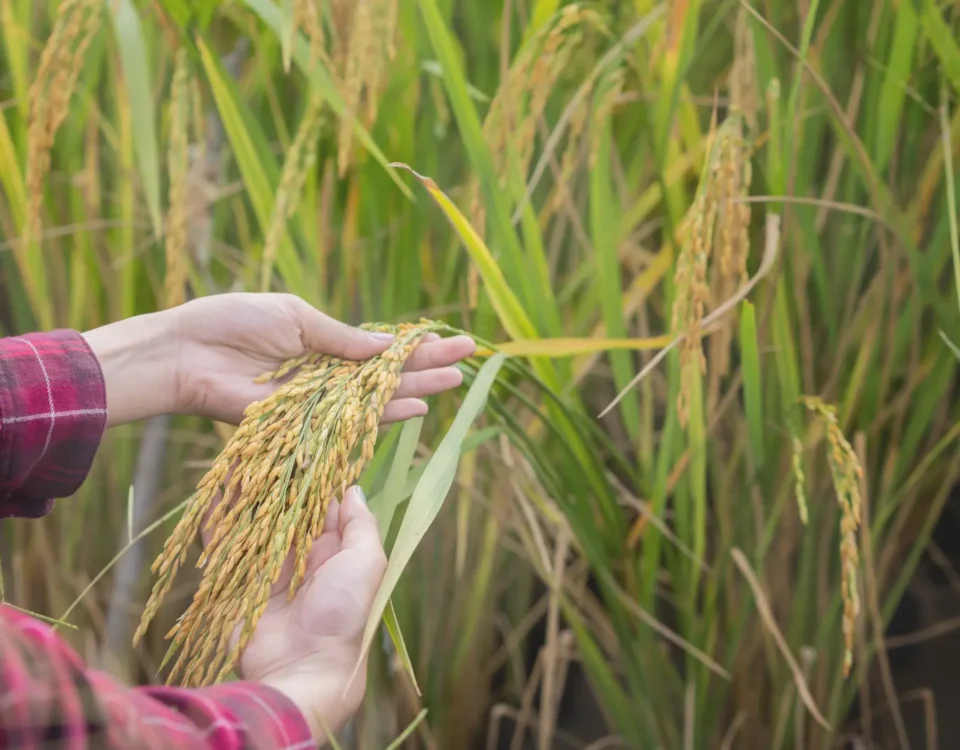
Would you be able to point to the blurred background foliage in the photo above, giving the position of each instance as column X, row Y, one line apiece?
column 669, row 575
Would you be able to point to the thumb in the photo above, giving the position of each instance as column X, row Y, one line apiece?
column 360, row 533
column 321, row 333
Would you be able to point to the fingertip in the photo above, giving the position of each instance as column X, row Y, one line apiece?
column 357, row 499
column 351, row 504
column 466, row 343
column 405, row 408
column 442, row 353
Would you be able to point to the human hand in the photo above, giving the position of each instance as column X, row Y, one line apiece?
column 308, row 647
column 201, row 358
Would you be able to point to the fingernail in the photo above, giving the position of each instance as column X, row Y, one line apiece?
column 361, row 495
column 383, row 336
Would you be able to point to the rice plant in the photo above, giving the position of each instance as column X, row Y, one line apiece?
column 708, row 248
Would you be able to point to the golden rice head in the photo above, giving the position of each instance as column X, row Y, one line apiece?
column 265, row 497
column 382, row 52
column 178, row 157
column 733, row 177
column 712, row 262
column 692, row 291
column 511, row 121
column 357, row 61
column 362, row 64
column 846, row 473
column 306, row 15
column 541, row 74
column 516, row 111
column 744, row 86
column 61, row 60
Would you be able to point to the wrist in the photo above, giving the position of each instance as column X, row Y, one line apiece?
column 322, row 698
column 137, row 357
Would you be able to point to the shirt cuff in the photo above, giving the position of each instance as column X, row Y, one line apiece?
column 243, row 714
column 52, row 418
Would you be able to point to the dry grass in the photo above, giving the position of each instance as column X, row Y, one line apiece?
column 267, row 494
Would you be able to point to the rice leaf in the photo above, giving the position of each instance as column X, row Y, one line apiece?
column 396, row 636
column 573, row 347
column 430, row 493
column 11, row 176
column 894, row 87
column 950, row 188
column 606, row 244
column 389, row 499
column 398, row 743
column 138, row 81
column 16, row 45
column 511, row 313
column 259, row 170
column 943, row 41
column 287, row 32
column 752, row 386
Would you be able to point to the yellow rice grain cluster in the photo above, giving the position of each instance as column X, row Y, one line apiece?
column 76, row 23
column 690, row 280
column 356, row 47
column 306, row 15
column 717, row 228
column 846, row 472
column 178, row 157
column 510, row 126
column 292, row 453
column 744, row 86
column 732, row 237
column 365, row 46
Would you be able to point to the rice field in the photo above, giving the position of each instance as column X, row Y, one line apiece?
column 709, row 252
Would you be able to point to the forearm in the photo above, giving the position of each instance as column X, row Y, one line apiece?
column 136, row 356
column 58, row 392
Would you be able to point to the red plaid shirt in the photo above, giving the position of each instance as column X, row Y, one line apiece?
column 52, row 416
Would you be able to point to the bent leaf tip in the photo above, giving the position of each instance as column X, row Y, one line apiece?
column 427, row 181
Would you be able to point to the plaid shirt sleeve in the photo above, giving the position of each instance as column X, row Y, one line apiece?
column 49, row 701
column 52, row 417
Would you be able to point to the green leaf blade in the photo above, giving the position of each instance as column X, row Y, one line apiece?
column 136, row 77
column 430, row 493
